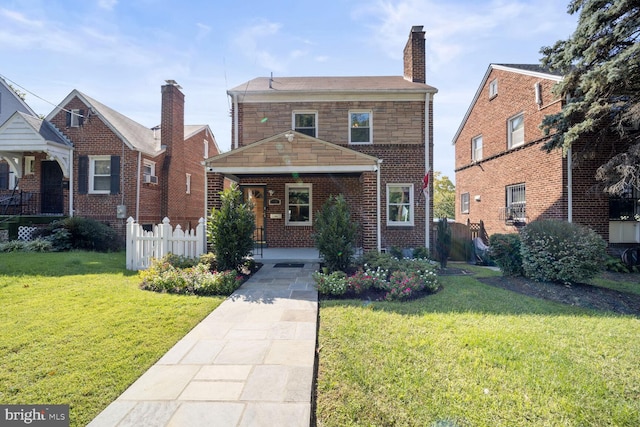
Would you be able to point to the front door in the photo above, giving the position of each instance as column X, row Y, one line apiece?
column 255, row 195
column 52, row 198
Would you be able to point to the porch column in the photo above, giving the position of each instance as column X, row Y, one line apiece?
column 369, row 217
column 215, row 185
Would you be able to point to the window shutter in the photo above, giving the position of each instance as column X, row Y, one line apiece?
column 115, row 174
column 83, row 173
column 68, row 119
column 81, row 118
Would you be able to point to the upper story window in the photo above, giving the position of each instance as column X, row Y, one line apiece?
column 298, row 202
column 306, row 122
column 100, row 174
column 515, row 126
column 188, row 182
column 360, row 127
column 493, row 88
column 476, row 148
column 29, row 165
column 75, row 118
column 400, row 204
column 464, row 203
column 149, row 172
column 206, row 149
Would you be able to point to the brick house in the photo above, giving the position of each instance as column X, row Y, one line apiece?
column 100, row 164
column 298, row 140
column 505, row 179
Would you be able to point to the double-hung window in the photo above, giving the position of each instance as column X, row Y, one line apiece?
column 493, row 88
column 400, row 204
column 360, row 127
column 99, row 174
column 516, row 202
column 298, row 202
column 306, row 122
column 476, row 148
column 464, row 203
column 515, row 126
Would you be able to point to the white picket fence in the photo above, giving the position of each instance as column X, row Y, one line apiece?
column 143, row 245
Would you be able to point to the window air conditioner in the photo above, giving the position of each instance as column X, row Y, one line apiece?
column 150, row 179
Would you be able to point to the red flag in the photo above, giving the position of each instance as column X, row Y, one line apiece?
column 425, row 184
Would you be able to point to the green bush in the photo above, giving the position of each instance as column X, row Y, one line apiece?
column 334, row 283
column 421, row 252
column 381, row 260
column 335, row 234
column 560, row 251
column 81, row 233
column 443, row 242
column 504, row 250
column 37, row 245
column 230, row 230
column 198, row 279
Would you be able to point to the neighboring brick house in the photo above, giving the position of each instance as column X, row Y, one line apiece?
column 111, row 167
column 506, row 179
column 298, row 140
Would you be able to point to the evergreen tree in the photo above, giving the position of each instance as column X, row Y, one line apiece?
column 600, row 63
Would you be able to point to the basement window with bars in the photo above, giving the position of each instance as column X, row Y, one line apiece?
column 516, row 209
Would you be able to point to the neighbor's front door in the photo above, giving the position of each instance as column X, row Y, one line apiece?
column 52, row 198
column 255, row 195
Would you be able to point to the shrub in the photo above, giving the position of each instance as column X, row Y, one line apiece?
column 81, row 233
column 13, row 246
column 560, row 251
column 443, row 243
column 402, row 285
column 334, row 283
column 361, row 281
column 163, row 276
column 504, row 250
column 230, row 230
column 421, row 252
column 335, row 234
column 384, row 261
column 396, row 252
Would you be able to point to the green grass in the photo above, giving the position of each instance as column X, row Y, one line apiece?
column 475, row 355
column 77, row 330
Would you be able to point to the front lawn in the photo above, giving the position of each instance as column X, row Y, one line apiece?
column 77, row 330
column 476, row 355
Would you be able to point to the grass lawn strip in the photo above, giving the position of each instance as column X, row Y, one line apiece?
column 473, row 355
column 77, row 330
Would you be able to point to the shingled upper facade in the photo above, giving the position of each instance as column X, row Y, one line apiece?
column 298, row 140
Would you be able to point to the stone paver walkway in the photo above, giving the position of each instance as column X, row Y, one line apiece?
column 249, row 363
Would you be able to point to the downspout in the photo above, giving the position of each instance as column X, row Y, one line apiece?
column 138, row 185
column 235, row 121
column 71, row 183
column 569, row 187
column 427, row 166
column 378, row 215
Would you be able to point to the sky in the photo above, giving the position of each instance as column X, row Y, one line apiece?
column 120, row 52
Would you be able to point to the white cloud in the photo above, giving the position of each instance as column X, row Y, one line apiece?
column 107, row 4
column 203, row 30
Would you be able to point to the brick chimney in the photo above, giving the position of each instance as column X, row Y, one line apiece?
column 414, row 56
column 171, row 137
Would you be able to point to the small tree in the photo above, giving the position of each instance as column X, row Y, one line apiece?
column 230, row 230
column 443, row 244
column 444, row 196
column 335, row 234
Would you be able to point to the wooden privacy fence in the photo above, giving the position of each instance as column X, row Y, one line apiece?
column 143, row 245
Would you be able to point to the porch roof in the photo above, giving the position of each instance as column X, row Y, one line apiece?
column 290, row 152
column 23, row 133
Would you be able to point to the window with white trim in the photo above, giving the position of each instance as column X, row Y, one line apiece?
column 206, row 149
column 99, row 174
column 360, row 127
column 516, row 202
column 464, row 203
column 188, row 176
column 306, row 122
column 400, row 204
column 476, row 148
column 75, row 118
column 298, row 200
column 493, row 88
column 515, row 132
column 29, row 165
